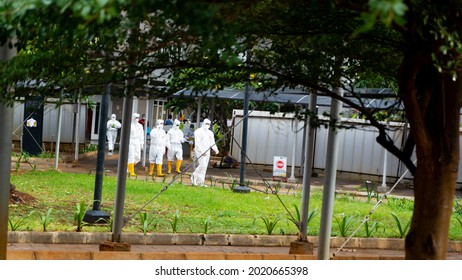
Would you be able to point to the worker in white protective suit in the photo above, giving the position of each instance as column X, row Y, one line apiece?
column 175, row 139
column 157, row 149
column 189, row 135
column 112, row 126
column 204, row 141
column 136, row 144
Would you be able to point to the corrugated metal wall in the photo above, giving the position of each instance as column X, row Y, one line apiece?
column 359, row 152
column 50, row 122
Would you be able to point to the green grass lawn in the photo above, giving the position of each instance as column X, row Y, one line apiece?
column 199, row 210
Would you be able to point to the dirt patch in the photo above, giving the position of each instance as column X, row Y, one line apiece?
column 17, row 197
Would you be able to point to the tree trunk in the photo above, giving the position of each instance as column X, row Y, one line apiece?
column 432, row 101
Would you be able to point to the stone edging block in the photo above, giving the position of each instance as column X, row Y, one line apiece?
column 205, row 239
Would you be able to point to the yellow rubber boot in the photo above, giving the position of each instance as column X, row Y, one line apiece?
column 151, row 169
column 131, row 169
column 178, row 165
column 159, row 171
column 169, row 167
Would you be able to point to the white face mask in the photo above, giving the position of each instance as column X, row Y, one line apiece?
column 207, row 126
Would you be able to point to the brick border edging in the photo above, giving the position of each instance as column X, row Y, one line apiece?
column 205, row 240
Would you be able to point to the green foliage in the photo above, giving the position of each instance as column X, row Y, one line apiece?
column 147, row 222
column 45, row 219
column 402, row 228
column 457, row 209
column 17, row 223
column 371, row 191
column 79, row 213
column 206, row 225
column 24, row 157
column 269, row 224
column 401, row 203
column 297, row 219
column 459, row 219
column 89, row 148
column 370, row 228
column 175, row 221
column 344, row 223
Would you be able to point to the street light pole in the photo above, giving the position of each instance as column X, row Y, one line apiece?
column 96, row 215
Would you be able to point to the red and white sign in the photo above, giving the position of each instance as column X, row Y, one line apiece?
column 280, row 167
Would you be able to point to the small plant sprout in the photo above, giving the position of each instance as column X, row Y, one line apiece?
column 270, row 225
column 206, row 225
column 459, row 219
column 176, row 220
column 277, row 187
column 344, row 224
column 15, row 224
column 79, row 214
column 147, row 222
column 297, row 219
column 402, row 229
column 45, row 219
column 370, row 228
column 233, row 181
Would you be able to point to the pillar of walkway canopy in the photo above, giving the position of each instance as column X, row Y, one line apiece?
column 242, row 188
column 330, row 179
column 122, row 169
column 58, row 134
column 96, row 215
column 308, row 166
column 6, row 128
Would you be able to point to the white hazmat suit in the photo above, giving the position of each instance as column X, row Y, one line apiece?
column 112, row 126
column 175, row 139
column 204, row 141
column 157, row 149
column 136, row 144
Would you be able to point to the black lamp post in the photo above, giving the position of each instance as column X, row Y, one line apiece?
column 96, row 215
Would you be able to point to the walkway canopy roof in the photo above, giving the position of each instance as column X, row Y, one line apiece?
column 371, row 98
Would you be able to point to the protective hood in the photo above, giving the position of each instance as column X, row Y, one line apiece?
column 176, row 124
column 160, row 124
column 206, row 124
column 135, row 117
